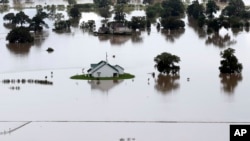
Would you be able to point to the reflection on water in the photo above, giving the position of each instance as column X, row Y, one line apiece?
column 9, row 25
column 200, row 31
column 229, row 82
column 104, row 85
column 121, row 39
column 19, row 49
column 220, row 41
column 167, row 83
column 15, row 83
column 172, row 35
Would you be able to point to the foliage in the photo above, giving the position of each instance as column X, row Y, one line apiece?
column 104, row 12
column 84, row 6
column 211, row 8
column 37, row 22
column 72, row 2
column 153, row 10
column 234, row 8
column 62, row 25
column 148, row 1
column 123, row 1
column 138, row 22
column 4, row 1
column 172, row 8
column 90, row 25
column 9, row 17
column 172, row 23
column 102, row 3
column 230, row 63
column 19, row 35
column 74, row 13
column 165, row 63
column 19, row 18
column 119, row 13
column 195, row 10
column 214, row 25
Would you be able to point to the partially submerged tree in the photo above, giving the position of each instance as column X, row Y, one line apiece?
column 37, row 22
column 102, row 3
column 119, row 13
column 122, row 1
column 230, row 64
column 9, row 17
column 234, row 8
column 171, row 12
column 165, row 63
column 19, row 18
column 62, row 25
column 195, row 10
column 19, row 35
column 211, row 8
column 74, row 13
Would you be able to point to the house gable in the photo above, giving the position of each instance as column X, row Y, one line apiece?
column 104, row 69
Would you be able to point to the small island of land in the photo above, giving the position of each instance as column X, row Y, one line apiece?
column 87, row 77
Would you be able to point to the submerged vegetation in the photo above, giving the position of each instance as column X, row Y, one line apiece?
column 167, row 15
column 230, row 64
column 86, row 77
column 165, row 63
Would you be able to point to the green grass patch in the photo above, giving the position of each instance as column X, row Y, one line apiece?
column 85, row 77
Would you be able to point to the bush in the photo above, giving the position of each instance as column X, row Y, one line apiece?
column 19, row 35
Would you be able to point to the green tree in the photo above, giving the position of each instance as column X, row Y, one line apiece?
column 71, row 2
column 102, row 3
column 172, row 8
column 123, row 1
column 37, row 22
column 211, row 8
column 62, row 25
column 138, row 22
column 21, row 18
column 19, row 35
column 195, row 10
column 148, row 1
column 9, row 17
column 119, row 13
column 74, row 13
column 234, row 8
column 230, row 63
column 165, row 63
column 104, row 12
column 172, row 23
column 4, row 1
column 153, row 11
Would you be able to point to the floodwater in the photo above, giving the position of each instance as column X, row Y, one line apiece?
column 145, row 108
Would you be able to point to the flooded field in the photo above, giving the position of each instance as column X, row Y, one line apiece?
column 145, row 108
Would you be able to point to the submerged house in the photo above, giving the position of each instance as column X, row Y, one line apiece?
column 104, row 69
column 115, row 28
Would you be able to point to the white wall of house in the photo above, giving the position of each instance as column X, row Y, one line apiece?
column 105, row 71
column 121, row 71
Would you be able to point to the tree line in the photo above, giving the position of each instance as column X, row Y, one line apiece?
column 166, row 63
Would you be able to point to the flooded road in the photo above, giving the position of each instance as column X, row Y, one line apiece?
column 145, row 108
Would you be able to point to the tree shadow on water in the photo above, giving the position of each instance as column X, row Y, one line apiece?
column 172, row 35
column 229, row 82
column 220, row 41
column 19, row 49
column 167, row 83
